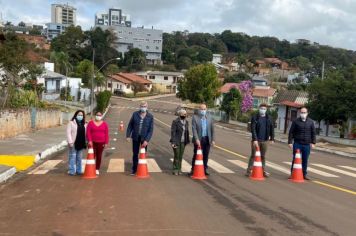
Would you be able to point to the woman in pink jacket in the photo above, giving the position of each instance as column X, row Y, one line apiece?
column 98, row 137
column 76, row 142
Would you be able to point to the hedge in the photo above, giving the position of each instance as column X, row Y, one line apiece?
column 102, row 100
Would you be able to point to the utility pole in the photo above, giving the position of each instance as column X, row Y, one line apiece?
column 92, row 86
column 323, row 71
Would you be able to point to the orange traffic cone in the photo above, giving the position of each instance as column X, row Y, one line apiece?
column 297, row 172
column 90, row 168
column 121, row 126
column 199, row 171
column 257, row 170
column 142, row 170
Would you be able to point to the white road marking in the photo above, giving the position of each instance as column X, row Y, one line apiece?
column 239, row 163
column 349, row 168
column 45, row 167
column 84, row 161
column 186, row 167
column 153, row 166
column 116, row 165
column 335, row 170
column 218, row 167
column 278, row 167
column 318, row 172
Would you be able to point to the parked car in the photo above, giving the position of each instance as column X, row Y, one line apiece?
column 119, row 92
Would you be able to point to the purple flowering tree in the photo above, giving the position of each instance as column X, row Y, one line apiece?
column 247, row 101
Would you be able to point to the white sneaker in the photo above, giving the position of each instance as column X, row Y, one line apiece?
column 97, row 172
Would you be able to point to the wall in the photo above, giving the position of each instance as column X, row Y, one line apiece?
column 15, row 122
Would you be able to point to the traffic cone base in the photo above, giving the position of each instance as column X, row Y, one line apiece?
column 142, row 169
column 121, row 126
column 199, row 171
column 297, row 172
column 257, row 170
column 90, row 167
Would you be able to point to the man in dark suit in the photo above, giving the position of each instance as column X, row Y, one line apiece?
column 203, row 135
column 140, row 130
column 302, row 132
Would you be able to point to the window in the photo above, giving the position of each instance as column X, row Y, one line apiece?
column 255, row 102
column 157, row 48
column 148, row 34
column 117, row 85
column 147, row 47
column 109, row 85
column 152, row 77
column 166, row 78
column 128, row 86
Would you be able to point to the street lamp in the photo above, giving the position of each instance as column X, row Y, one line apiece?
column 92, row 79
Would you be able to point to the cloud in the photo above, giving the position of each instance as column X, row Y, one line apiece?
column 326, row 21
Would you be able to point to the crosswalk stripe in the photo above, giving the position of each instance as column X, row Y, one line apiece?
column 335, row 170
column 278, row 167
column 239, row 163
column 219, row 168
column 186, row 167
column 116, row 165
column 349, row 168
column 153, row 166
column 318, row 172
column 45, row 167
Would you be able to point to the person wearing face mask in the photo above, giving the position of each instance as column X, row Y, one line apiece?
column 179, row 139
column 302, row 132
column 262, row 131
column 203, row 135
column 98, row 137
column 76, row 142
column 140, row 130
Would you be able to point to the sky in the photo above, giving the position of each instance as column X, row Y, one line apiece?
column 328, row 22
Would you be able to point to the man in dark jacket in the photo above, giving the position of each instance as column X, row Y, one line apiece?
column 302, row 132
column 179, row 139
column 140, row 130
column 262, row 130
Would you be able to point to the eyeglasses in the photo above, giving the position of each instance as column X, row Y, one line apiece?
column 304, row 113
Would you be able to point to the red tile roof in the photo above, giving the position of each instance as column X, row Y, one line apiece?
column 263, row 92
column 291, row 104
column 129, row 78
column 228, row 86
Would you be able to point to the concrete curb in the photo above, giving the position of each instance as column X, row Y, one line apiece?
column 4, row 176
column 326, row 150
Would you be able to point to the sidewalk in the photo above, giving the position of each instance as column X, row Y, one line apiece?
column 24, row 150
column 338, row 149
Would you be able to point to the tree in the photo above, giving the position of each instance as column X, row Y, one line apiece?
column 135, row 59
column 302, row 63
column 22, row 24
column 231, row 103
column 84, row 70
column 138, row 87
column 268, row 52
column 61, row 62
column 236, row 78
column 184, row 63
column 35, row 31
column 200, row 84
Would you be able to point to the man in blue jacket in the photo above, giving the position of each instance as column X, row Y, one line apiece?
column 140, row 130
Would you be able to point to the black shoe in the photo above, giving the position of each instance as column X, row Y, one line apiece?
column 133, row 173
column 190, row 173
column 306, row 178
column 248, row 173
column 207, row 173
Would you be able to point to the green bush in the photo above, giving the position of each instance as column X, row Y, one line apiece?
column 102, row 100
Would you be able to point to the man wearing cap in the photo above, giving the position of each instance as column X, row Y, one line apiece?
column 140, row 130
column 262, row 130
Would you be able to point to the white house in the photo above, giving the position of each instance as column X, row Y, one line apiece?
column 164, row 81
column 123, row 82
column 217, row 59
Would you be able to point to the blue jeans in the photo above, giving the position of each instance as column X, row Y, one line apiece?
column 305, row 152
column 75, row 161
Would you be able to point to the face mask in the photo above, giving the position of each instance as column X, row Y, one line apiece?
column 203, row 112
column 143, row 109
column 79, row 118
column 262, row 112
column 98, row 118
column 182, row 117
column 303, row 116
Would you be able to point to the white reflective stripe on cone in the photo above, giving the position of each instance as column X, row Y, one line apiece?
column 143, row 150
column 90, row 162
column 142, row 161
column 257, row 164
column 91, row 151
column 258, row 153
column 199, row 152
column 297, row 166
column 297, row 155
column 199, row 162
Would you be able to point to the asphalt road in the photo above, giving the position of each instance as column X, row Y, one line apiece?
column 52, row 203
